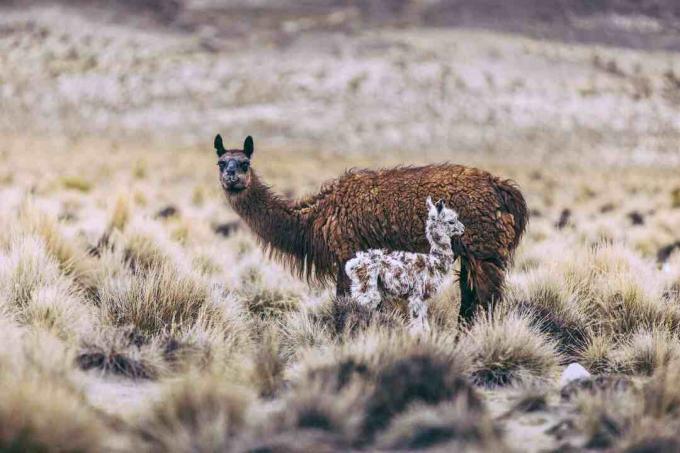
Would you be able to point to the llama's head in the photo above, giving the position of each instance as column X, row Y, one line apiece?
column 234, row 164
column 442, row 222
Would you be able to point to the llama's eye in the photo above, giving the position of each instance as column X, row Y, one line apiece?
column 221, row 164
column 244, row 166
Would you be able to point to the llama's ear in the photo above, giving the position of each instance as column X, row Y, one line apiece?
column 219, row 146
column 440, row 205
column 248, row 146
column 430, row 206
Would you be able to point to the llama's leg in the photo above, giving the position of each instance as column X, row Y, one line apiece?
column 417, row 309
column 468, row 294
column 342, row 286
column 488, row 280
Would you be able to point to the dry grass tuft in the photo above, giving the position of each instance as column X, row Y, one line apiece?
column 448, row 426
column 36, row 294
column 555, row 310
column 123, row 352
column 647, row 351
column 392, row 372
column 72, row 261
column 198, row 413
column 37, row 394
column 160, row 300
column 508, row 349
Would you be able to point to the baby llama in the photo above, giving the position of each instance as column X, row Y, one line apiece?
column 416, row 277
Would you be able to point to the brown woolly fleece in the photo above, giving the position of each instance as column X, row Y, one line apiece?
column 367, row 209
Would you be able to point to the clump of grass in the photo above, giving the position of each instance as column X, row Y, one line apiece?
column 147, row 247
column 305, row 329
column 619, row 291
column 161, row 299
column 646, row 351
column 32, row 405
column 506, row 348
column 197, row 413
column 416, row 377
column 39, row 394
column 595, row 385
column 123, row 352
column 59, row 310
column 661, row 395
column 35, row 293
column 316, row 407
column 448, row 426
column 76, row 183
column 603, row 419
column 554, row 310
column 72, row 261
column 597, row 354
column 268, row 304
column 25, row 269
column 349, row 318
column 269, row 364
column 675, row 197
column 393, row 372
column 140, row 169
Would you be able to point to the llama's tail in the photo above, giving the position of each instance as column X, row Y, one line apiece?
column 513, row 201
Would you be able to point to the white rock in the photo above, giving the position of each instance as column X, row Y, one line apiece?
column 573, row 372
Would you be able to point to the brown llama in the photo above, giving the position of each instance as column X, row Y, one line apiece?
column 366, row 209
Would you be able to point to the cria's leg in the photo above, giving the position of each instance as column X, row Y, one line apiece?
column 363, row 273
column 369, row 293
column 418, row 323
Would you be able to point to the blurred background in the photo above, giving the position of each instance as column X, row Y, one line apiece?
column 108, row 109
column 578, row 79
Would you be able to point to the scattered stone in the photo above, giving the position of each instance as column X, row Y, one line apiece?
column 572, row 373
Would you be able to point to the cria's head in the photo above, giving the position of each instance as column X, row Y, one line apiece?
column 442, row 219
column 234, row 165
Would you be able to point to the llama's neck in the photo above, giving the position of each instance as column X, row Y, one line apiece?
column 270, row 217
column 440, row 246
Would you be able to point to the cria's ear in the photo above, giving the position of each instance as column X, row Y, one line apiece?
column 248, row 146
column 440, row 205
column 430, row 206
column 219, row 146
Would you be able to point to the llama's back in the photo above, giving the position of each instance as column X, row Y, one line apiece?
column 386, row 209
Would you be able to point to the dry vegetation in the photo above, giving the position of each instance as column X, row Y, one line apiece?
column 137, row 313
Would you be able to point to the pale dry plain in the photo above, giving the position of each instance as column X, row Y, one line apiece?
column 137, row 313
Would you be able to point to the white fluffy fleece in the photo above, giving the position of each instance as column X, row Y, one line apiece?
column 414, row 276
